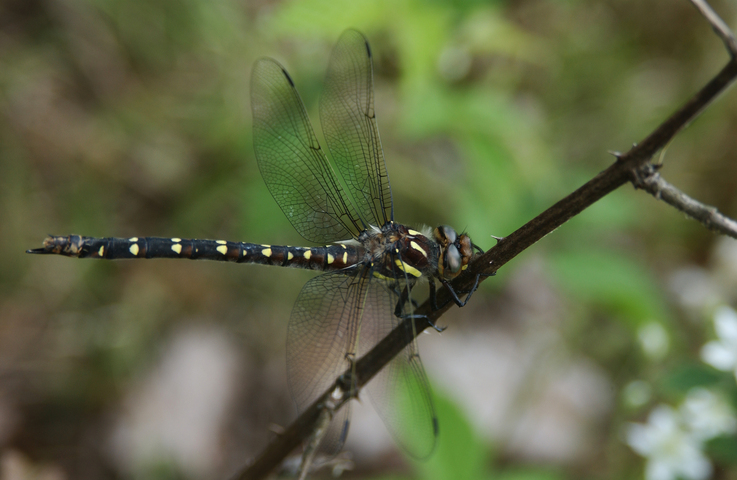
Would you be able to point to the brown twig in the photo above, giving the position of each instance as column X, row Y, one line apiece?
column 649, row 179
column 721, row 28
column 622, row 171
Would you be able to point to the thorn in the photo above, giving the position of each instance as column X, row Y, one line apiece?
column 616, row 154
column 498, row 239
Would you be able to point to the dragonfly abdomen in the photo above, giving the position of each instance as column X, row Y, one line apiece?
column 331, row 257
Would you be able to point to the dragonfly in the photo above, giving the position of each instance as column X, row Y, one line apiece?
column 371, row 263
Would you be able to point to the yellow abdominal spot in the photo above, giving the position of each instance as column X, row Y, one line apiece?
column 134, row 249
column 345, row 257
column 101, row 251
column 220, row 242
column 266, row 252
column 289, row 256
column 407, row 268
column 177, row 248
column 176, row 240
column 222, row 249
column 307, row 254
column 331, row 259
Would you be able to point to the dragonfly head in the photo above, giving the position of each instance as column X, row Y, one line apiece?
column 455, row 251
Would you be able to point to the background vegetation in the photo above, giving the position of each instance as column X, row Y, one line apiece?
column 132, row 118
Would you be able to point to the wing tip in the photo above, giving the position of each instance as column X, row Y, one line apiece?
column 289, row 79
column 266, row 65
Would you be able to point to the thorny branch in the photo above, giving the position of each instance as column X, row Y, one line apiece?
column 649, row 179
column 632, row 166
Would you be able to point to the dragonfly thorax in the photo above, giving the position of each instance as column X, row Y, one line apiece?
column 398, row 252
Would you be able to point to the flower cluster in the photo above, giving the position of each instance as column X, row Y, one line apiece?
column 672, row 440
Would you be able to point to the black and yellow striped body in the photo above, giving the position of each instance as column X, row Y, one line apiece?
column 331, row 257
column 394, row 252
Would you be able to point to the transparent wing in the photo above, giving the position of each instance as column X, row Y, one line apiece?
column 349, row 125
column 400, row 392
column 321, row 342
column 291, row 161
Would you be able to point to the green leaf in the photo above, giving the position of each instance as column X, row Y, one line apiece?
column 460, row 454
column 723, row 449
column 612, row 280
column 684, row 377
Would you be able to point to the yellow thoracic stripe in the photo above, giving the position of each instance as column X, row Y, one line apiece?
column 414, row 245
column 407, row 268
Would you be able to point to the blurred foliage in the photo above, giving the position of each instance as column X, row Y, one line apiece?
column 460, row 453
column 123, row 118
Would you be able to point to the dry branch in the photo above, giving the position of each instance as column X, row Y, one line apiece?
column 649, row 179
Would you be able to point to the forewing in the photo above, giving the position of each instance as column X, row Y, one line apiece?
column 321, row 342
column 291, row 161
column 349, row 126
column 400, row 392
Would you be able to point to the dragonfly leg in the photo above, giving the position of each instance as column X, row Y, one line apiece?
column 433, row 296
column 399, row 295
column 404, row 297
column 454, row 295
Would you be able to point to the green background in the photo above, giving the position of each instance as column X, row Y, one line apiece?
column 132, row 118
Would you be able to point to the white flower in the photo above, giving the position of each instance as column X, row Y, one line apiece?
column 707, row 415
column 670, row 450
column 722, row 353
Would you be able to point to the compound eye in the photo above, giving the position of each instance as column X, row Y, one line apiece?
column 448, row 233
column 452, row 259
